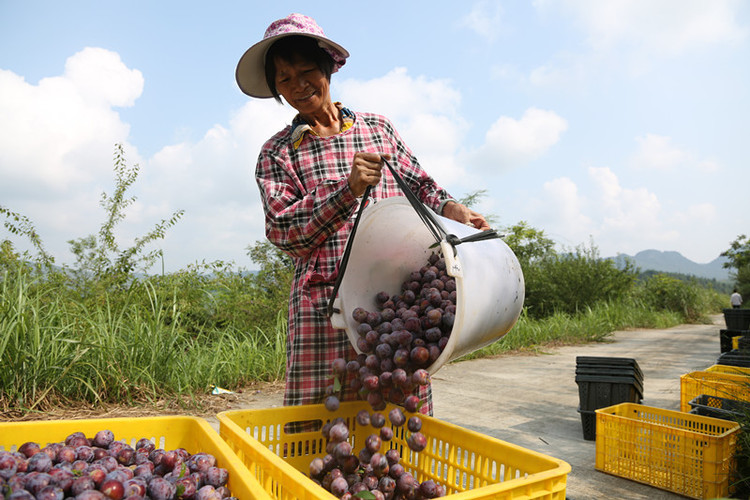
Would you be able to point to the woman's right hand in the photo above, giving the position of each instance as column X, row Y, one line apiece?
column 366, row 171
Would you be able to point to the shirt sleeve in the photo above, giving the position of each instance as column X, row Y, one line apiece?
column 297, row 221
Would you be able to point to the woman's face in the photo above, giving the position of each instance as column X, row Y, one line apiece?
column 302, row 84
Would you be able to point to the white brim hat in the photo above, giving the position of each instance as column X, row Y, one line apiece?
column 251, row 70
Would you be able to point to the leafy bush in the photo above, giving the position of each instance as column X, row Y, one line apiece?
column 574, row 281
column 667, row 293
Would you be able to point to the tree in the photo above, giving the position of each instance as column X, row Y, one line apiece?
column 530, row 245
column 101, row 258
column 738, row 255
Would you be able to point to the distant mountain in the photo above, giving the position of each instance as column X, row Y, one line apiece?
column 675, row 262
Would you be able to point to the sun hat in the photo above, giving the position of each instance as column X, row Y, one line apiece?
column 251, row 70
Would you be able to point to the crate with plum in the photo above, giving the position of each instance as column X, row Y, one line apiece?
column 153, row 458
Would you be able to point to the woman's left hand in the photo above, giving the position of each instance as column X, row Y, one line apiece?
column 462, row 213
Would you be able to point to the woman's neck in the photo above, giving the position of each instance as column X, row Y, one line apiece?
column 326, row 121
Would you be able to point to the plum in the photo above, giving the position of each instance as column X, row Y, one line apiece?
column 393, row 456
column 387, row 485
column 52, row 492
column 339, row 432
column 134, row 487
column 316, row 467
column 103, row 438
column 81, row 484
column 428, row 489
column 339, row 366
column 113, row 489
column 396, row 471
column 218, row 476
column 414, row 424
column 342, row 450
column 386, row 433
column 332, row 403
column 8, row 465
column 21, row 495
column 339, row 486
column 359, row 315
column 419, row 356
column 377, row 420
column 416, row 441
column 85, row 453
column 421, row 377
column 373, row 443
column 91, row 495
column 406, row 484
column 41, row 462
column 397, row 417
column 144, row 444
column 29, row 449
column 161, row 489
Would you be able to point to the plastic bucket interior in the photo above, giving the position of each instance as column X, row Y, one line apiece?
column 392, row 241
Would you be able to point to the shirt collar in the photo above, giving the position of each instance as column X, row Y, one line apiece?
column 300, row 127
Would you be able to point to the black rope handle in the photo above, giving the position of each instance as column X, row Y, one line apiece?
column 347, row 251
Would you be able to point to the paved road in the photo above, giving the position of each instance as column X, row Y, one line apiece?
column 532, row 400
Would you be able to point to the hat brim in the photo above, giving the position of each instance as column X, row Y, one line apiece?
column 251, row 70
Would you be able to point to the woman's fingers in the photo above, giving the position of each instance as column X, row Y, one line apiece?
column 366, row 171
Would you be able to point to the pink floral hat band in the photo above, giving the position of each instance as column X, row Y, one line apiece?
column 250, row 72
column 299, row 24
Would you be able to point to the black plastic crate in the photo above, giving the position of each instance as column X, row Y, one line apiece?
column 735, row 357
column 608, row 371
column 714, row 406
column 588, row 423
column 737, row 319
column 725, row 338
column 608, row 362
column 594, row 394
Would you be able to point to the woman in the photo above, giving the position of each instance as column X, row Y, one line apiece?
column 310, row 176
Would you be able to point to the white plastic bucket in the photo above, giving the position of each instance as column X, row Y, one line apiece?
column 392, row 241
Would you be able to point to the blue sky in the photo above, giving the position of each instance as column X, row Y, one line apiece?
column 623, row 123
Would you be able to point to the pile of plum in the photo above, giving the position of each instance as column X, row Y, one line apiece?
column 398, row 341
column 102, row 468
column 405, row 335
column 371, row 473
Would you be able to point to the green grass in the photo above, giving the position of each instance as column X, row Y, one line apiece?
column 595, row 324
column 133, row 346
column 55, row 351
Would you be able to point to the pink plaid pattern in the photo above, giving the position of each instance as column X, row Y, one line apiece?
column 308, row 211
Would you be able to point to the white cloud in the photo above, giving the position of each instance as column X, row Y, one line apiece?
column 510, row 142
column 633, row 37
column 485, row 19
column 658, row 152
column 53, row 135
column 564, row 210
column 618, row 218
column 424, row 111
column 667, row 27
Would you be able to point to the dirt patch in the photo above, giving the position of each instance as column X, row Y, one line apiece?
column 257, row 395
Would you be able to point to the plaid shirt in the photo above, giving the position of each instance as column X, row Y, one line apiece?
column 308, row 214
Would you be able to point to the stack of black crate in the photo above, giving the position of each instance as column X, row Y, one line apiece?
column 738, row 325
column 602, row 382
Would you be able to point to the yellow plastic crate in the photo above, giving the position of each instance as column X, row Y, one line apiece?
column 470, row 465
column 732, row 370
column 687, row 454
column 193, row 434
column 713, row 383
column 736, row 341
